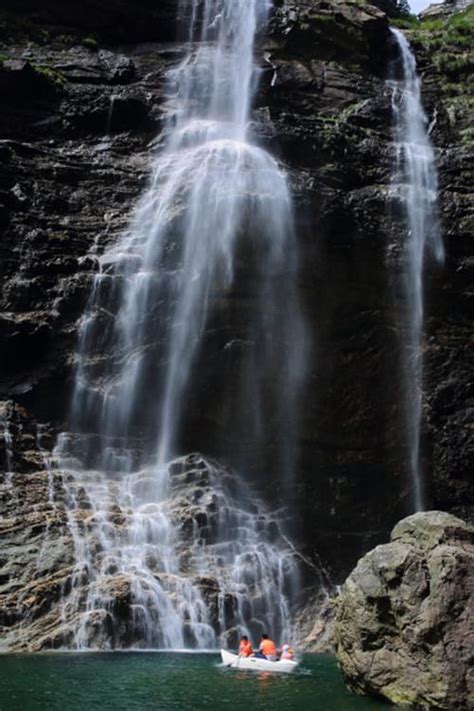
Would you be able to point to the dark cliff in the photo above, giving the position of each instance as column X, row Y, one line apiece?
column 82, row 93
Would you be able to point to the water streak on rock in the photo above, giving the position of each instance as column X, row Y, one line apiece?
column 415, row 176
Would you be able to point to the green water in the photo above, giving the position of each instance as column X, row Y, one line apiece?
column 167, row 681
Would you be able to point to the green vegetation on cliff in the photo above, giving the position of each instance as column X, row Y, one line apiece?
column 448, row 43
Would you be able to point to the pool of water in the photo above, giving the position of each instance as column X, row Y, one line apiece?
column 168, row 681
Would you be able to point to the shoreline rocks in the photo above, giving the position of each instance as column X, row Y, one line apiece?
column 404, row 625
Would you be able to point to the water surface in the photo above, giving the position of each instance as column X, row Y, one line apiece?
column 167, row 681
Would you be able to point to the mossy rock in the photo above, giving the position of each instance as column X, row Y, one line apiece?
column 22, row 80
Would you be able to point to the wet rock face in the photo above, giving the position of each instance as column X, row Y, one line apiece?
column 331, row 123
column 73, row 162
column 37, row 549
column 449, row 359
column 404, row 628
column 112, row 21
column 339, row 30
column 89, row 567
column 315, row 624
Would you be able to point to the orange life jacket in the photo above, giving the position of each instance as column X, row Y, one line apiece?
column 245, row 649
column 267, row 647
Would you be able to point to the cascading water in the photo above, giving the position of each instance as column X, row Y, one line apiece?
column 416, row 181
column 8, row 447
column 174, row 555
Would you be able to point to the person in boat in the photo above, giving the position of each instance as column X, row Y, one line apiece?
column 287, row 652
column 267, row 649
column 245, row 648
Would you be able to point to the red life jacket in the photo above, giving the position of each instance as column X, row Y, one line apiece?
column 267, row 647
column 245, row 649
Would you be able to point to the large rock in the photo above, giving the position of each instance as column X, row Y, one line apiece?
column 404, row 627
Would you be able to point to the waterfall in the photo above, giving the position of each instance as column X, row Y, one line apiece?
column 173, row 551
column 416, row 181
column 8, row 447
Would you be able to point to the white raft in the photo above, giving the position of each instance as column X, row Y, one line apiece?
column 287, row 666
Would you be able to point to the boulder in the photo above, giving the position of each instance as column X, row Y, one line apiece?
column 404, row 626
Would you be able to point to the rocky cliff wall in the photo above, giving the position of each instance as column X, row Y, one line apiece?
column 334, row 133
column 83, row 110
column 444, row 50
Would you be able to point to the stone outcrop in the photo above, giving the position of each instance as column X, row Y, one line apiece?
column 442, row 10
column 404, row 628
column 63, row 583
column 341, row 30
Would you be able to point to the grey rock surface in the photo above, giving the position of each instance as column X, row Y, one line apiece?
column 405, row 622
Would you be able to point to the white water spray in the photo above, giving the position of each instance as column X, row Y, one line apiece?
column 416, row 178
column 8, row 448
column 175, row 555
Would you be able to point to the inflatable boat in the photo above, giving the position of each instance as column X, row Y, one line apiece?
column 286, row 666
